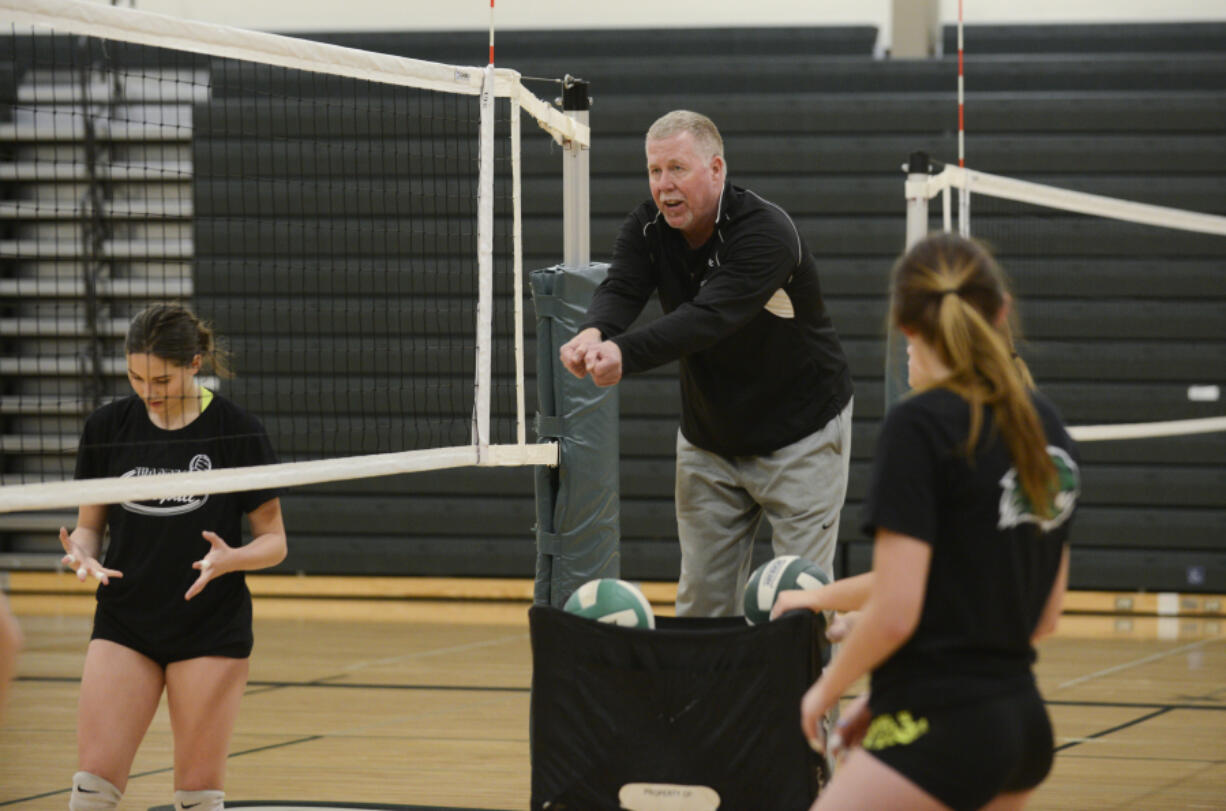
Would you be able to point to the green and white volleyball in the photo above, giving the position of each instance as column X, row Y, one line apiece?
column 784, row 573
column 613, row 601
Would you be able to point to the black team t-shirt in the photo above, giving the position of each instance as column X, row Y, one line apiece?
column 993, row 561
column 154, row 543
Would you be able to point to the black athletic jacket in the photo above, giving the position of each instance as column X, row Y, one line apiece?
column 753, row 379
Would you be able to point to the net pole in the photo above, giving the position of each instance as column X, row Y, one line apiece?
column 576, row 204
column 485, row 267
column 916, row 190
column 964, row 211
column 917, row 195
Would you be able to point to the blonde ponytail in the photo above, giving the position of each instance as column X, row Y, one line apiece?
column 951, row 292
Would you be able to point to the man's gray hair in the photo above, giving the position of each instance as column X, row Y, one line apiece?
column 705, row 133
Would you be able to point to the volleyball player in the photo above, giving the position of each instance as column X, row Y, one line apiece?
column 974, row 485
column 173, row 608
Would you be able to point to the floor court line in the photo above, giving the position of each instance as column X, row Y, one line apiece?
column 1137, row 705
column 266, row 686
column 1104, row 733
column 441, row 710
column 453, row 649
column 467, row 688
column 1135, row 663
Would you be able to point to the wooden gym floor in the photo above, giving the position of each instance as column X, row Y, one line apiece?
column 415, row 692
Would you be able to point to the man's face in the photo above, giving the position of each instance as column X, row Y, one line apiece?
column 685, row 185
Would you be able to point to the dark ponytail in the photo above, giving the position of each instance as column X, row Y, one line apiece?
column 172, row 332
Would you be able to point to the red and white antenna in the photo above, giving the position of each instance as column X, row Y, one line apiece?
column 961, row 98
column 492, row 30
column 964, row 193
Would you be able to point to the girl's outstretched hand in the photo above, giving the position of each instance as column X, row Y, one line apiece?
column 212, row 564
column 83, row 563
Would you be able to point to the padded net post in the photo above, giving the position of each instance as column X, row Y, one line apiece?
column 577, row 504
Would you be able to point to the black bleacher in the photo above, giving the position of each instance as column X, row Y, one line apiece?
column 1117, row 325
column 1122, row 38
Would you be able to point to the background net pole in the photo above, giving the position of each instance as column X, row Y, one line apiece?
column 917, row 193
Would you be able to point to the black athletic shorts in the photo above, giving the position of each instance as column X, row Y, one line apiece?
column 232, row 640
column 966, row 754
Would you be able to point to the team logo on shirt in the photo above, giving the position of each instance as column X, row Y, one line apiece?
column 168, row 506
column 1015, row 507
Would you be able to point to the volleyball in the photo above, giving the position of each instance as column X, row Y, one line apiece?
column 613, row 601
column 784, row 573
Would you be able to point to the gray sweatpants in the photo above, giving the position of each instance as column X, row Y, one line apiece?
column 800, row 489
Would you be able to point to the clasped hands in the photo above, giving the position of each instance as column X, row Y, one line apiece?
column 589, row 354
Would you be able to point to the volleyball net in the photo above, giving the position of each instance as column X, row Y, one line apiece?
column 1144, row 356
column 349, row 222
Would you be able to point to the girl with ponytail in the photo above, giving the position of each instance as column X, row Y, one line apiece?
column 974, row 484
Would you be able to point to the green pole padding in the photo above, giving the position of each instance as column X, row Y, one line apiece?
column 577, row 528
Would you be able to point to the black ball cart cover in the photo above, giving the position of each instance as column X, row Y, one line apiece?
column 695, row 702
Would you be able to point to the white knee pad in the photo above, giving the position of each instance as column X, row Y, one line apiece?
column 207, row 800
column 91, row 793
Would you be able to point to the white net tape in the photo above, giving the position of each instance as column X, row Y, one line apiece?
column 1146, row 430
column 1065, row 199
column 161, row 31
column 51, row 495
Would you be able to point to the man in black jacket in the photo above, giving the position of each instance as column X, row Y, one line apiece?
column 766, row 394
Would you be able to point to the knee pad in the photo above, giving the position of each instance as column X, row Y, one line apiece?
column 91, row 793
column 206, row 800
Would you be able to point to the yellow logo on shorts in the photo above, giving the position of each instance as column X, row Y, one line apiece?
column 893, row 730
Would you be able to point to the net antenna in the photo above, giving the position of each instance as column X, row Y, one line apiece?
column 927, row 180
column 271, row 53
column 964, row 197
